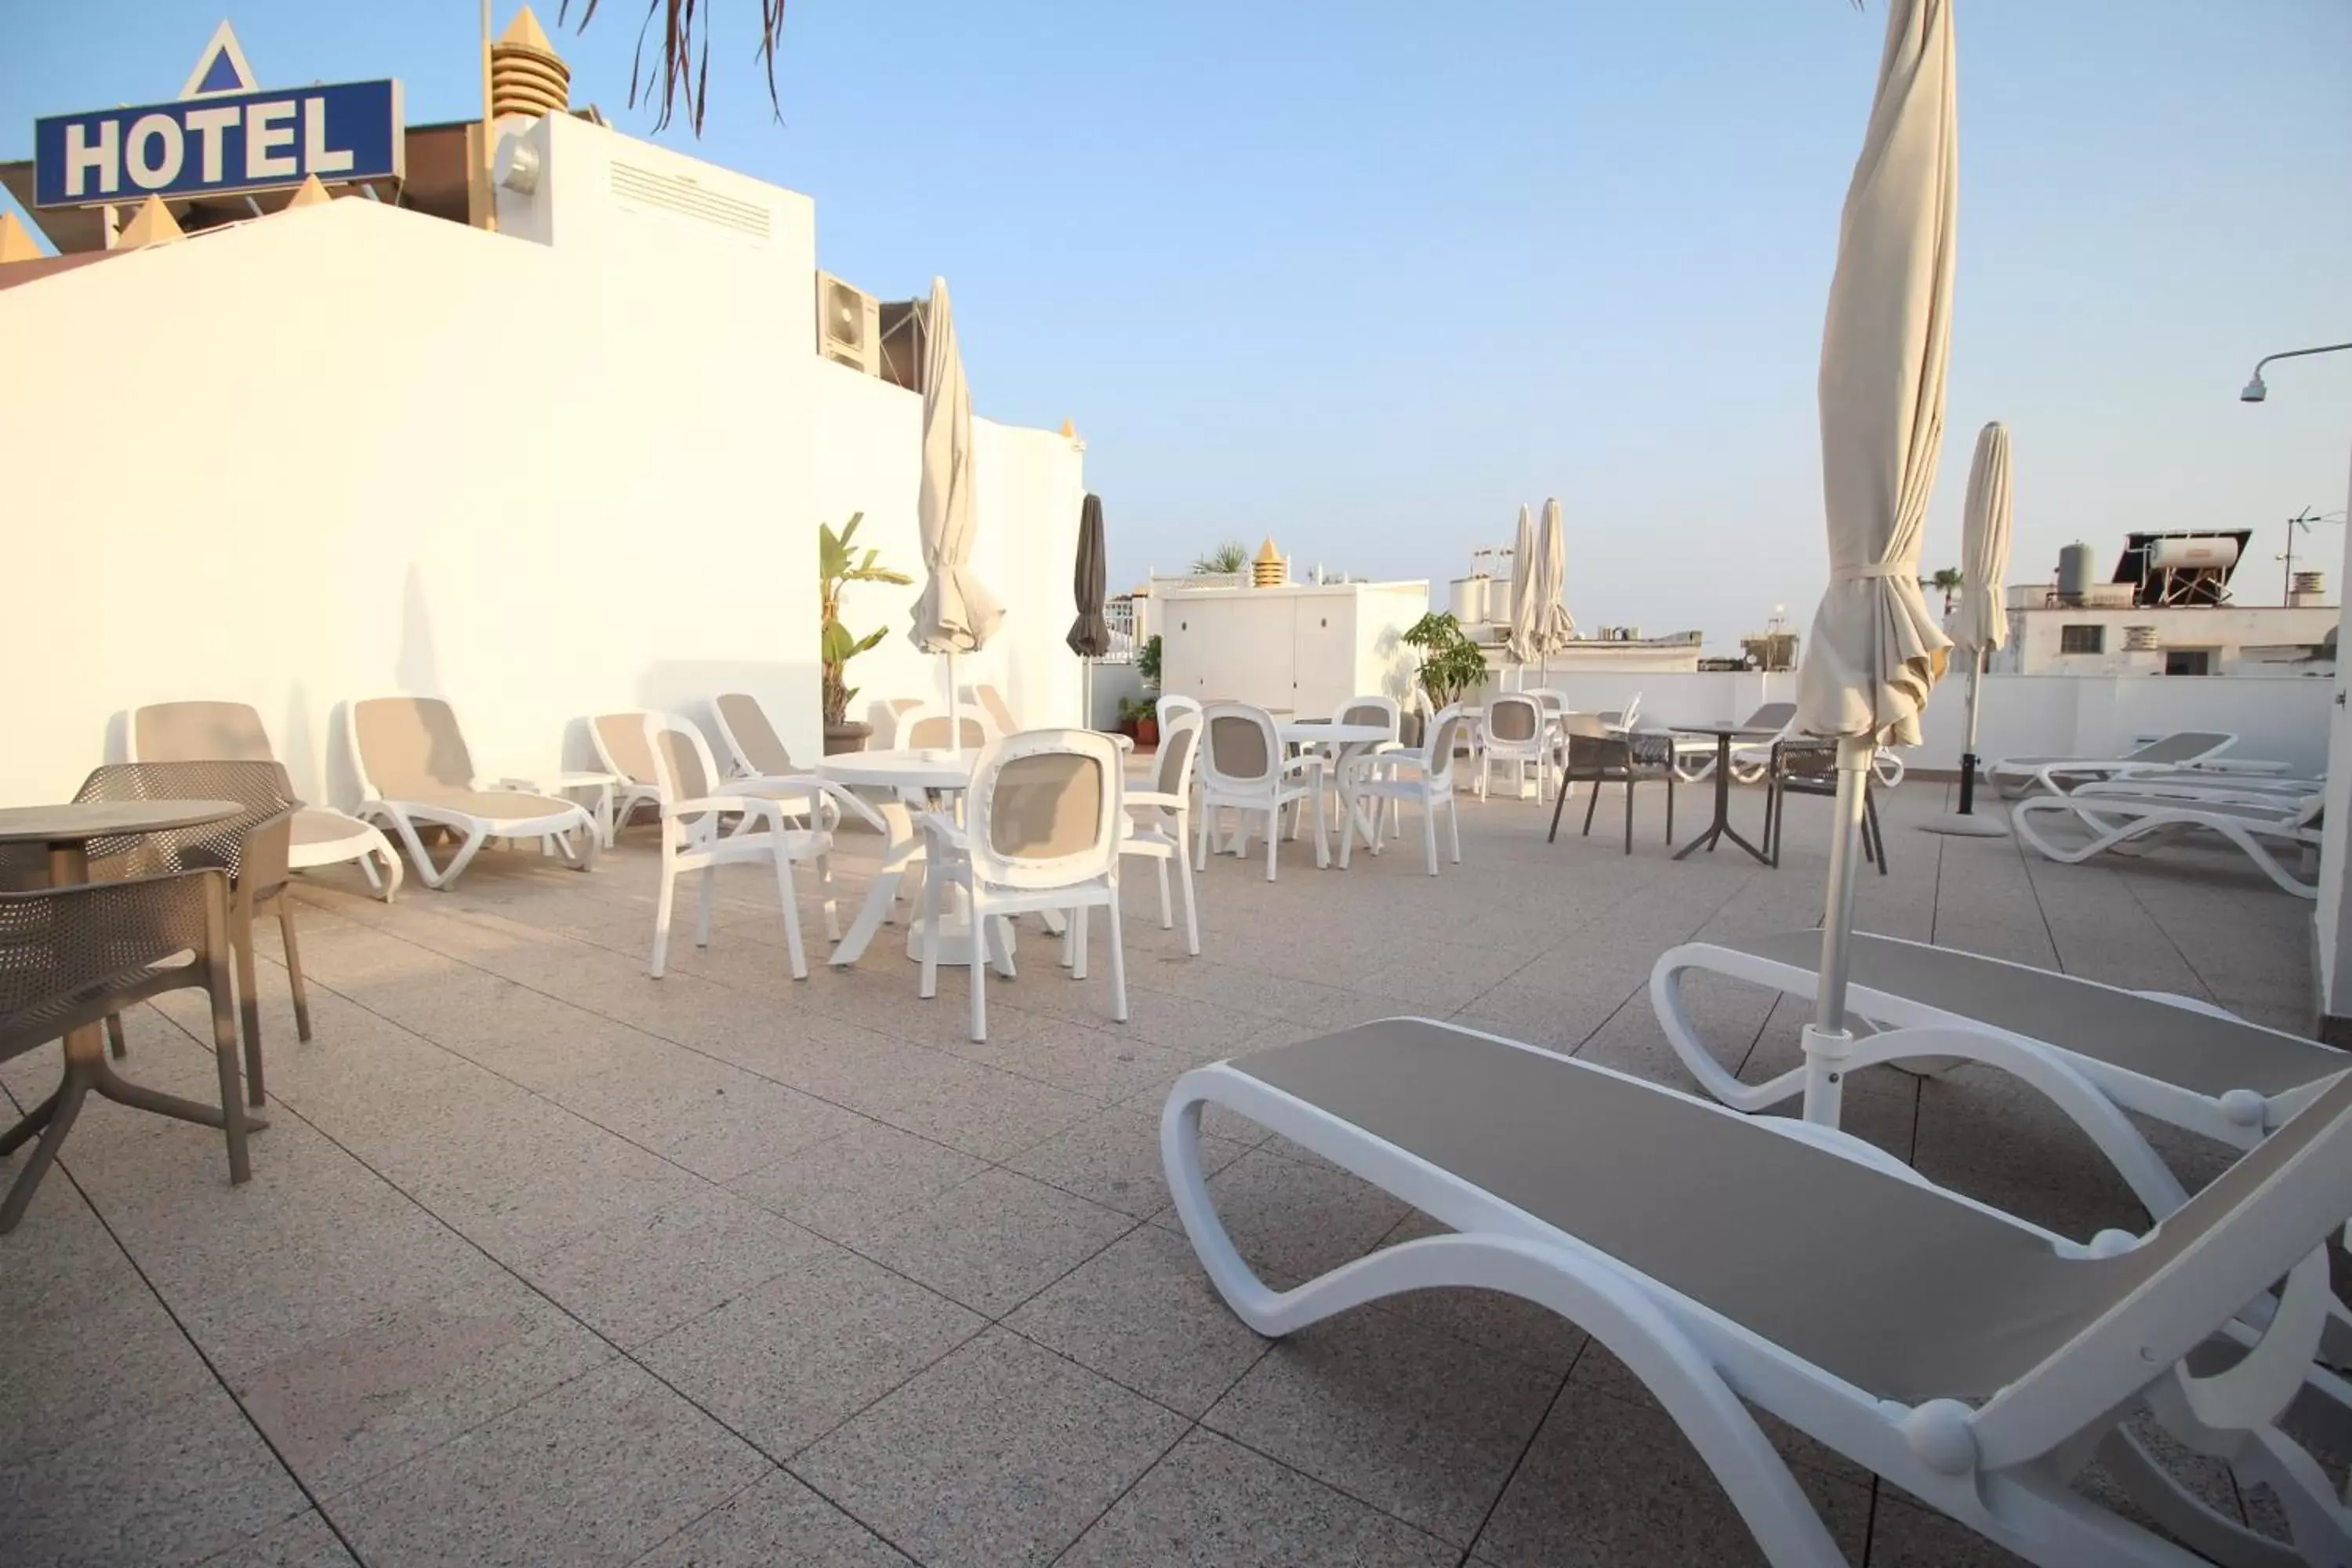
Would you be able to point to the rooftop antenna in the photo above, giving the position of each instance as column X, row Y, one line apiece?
column 2300, row 523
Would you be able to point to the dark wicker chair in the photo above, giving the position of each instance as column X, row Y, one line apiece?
column 1598, row 755
column 71, row 956
column 1808, row 765
column 250, row 848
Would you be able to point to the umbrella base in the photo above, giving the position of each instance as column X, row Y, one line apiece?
column 954, row 937
column 1954, row 825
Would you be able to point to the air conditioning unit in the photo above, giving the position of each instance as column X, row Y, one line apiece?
column 848, row 324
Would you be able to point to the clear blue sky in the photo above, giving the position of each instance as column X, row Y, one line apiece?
column 1366, row 276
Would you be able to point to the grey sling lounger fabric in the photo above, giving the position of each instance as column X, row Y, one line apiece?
column 1899, row 1288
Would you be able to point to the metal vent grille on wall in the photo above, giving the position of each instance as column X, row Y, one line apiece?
column 670, row 193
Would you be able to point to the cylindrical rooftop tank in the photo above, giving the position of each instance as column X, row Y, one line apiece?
column 1467, row 598
column 2075, row 571
column 2216, row 552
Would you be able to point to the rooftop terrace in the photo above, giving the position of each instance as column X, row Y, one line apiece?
column 544, row 1261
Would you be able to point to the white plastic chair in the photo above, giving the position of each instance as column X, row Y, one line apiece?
column 1042, row 831
column 1171, row 707
column 1165, row 831
column 1424, row 777
column 1518, row 733
column 927, row 725
column 1241, row 768
column 694, row 837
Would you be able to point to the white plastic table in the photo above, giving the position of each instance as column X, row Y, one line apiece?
column 1344, row 744
column 938, row 771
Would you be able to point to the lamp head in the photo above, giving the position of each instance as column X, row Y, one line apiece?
column 2256, row 391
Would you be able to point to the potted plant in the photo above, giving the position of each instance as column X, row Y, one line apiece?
column 1140, row 716
column 1146, row 714
column 838, row 565
column 1450, row 664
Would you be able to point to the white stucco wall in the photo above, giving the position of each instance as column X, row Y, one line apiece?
column 352, row 450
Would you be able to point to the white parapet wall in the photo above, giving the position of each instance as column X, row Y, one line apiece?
column 350, row 450
column 2285, row 717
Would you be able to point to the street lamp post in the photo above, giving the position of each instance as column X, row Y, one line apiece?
column 2255, row 390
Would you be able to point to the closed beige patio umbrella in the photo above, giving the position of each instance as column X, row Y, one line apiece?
column 956, row 613
column 1979, row 622
column 1515, row 634
column 1876, row 653
column 1550, row 626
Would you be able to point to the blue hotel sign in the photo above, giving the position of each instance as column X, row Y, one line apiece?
column 220, row 138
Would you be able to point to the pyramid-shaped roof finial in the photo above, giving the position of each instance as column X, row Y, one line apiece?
column 153, row 224
column 16, row 241
column 525, row 30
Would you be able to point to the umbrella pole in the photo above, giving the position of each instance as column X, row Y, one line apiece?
column 1968, row 751
column 1965, row 822
column 1827, row 1040
column 955, row 708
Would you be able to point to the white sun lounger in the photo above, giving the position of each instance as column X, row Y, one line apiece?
column 1971, row 1358
column 2179, row 1059
column 232, row 732
column 415, row 771
column 2015, row 776
column 2115, row 820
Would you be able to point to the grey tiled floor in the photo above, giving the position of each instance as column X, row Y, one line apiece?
column 547, row 1262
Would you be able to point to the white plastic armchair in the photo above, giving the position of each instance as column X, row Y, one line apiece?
column 696, row 806
column 1171, row 707
column 1042, row 830
column 1242, row 768
column 1518, row 732
column 1424, row 777
column 1164, row 831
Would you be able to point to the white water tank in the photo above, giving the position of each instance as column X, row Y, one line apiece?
column 2211, row 552
column 1469, row 599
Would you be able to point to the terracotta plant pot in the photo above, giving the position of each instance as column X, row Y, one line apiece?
column 1147, row 733
column 849, row 737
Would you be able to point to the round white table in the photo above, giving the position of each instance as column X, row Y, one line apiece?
column 1342, row 743
column 929, row 770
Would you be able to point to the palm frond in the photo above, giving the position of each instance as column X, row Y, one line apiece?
column 684, row 72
